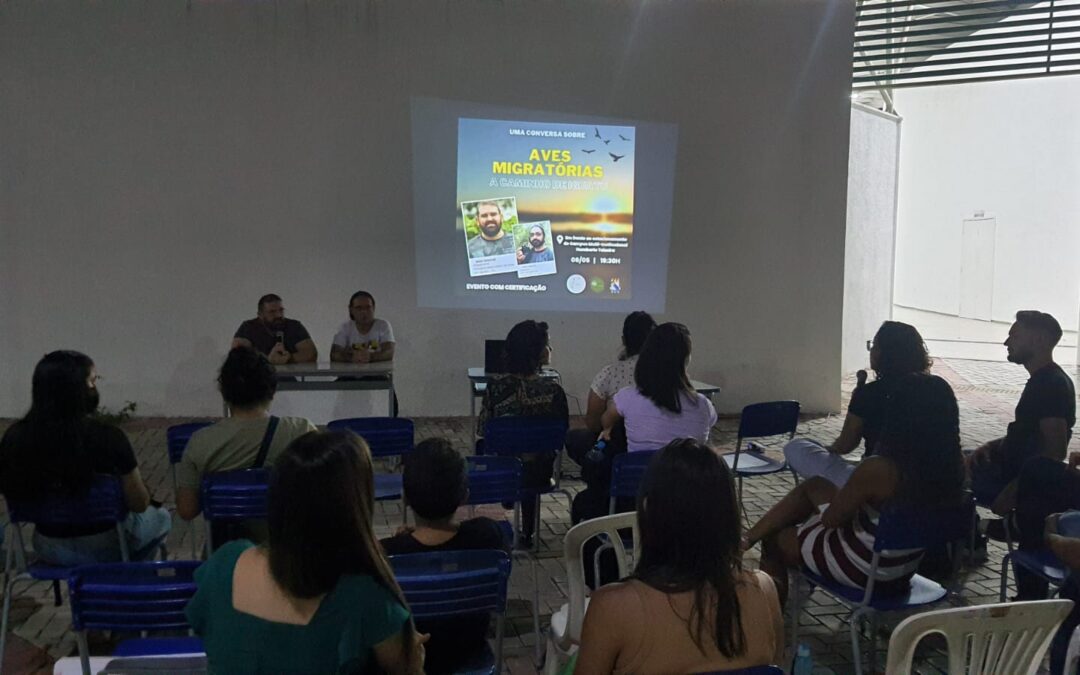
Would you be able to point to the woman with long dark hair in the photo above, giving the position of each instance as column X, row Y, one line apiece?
column 830, row 530
column 58, row 447
column 689, row 607
column 522, row 392
column 319, row 596
column 662, row 405
column 896, row 350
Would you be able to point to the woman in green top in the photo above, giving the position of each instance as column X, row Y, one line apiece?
column 319, row 597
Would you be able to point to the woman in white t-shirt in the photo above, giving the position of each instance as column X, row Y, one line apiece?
column 610, row 379
column 662, row 406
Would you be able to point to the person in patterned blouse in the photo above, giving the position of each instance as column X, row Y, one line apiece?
column 521, row 391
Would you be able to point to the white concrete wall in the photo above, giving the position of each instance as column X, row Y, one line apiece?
column 162, row 164
column 1009, row 149
column 873, row 158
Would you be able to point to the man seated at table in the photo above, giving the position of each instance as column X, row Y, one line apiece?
column 247, row 383
column 363, row 338
column 281, row 340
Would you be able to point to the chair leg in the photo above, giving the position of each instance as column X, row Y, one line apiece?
column 57, row 599
column 794, row 584
column 539, row 650
column 856, row 646
column 499, row 642
column 1004, row 577
column 84, row 652
column 9, row 590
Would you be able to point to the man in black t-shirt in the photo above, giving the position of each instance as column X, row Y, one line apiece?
column 1044, row 419
column 281, row 340
column 436, row 483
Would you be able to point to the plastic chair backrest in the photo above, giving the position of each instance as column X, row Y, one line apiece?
column 1000, row 638
column 103, row 504
column 900, row 529
column 235, row 495
column 771, row 418
column 386, row 436
column 493, row 480
column 177, row 437
column 628, row 470
column 1072, row 654
column 515, row 435
column 132, row 596
column 575, row 571
column 453, row 583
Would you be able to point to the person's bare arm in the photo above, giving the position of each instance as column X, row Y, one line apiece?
column 609, row 419
column 385, row 352
column 341, row 354
column 1054, row 434
column 241, row 342
column 601, row 633
column 136, row 496
column 394, row 659
column 306, row 352
column 874, row 480
column 187, row 503
column 594, row 412
column 849, row 437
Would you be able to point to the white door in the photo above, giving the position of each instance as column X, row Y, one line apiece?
column 977, row 268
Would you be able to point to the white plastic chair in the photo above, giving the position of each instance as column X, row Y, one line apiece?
column 1000, row 638
column 565, row 633
column 1072, row 656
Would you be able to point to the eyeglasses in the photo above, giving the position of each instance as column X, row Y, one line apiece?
column 869, row 345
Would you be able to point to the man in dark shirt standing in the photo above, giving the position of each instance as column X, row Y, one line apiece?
column 1045, row 415
column 281, row 340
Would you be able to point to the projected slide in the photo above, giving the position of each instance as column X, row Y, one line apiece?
column 546, row 214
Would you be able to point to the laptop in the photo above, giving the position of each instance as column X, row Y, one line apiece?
column 494, row 357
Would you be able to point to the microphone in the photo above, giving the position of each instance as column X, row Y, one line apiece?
column 280, row 335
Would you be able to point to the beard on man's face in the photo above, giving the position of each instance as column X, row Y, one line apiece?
column 93, row 398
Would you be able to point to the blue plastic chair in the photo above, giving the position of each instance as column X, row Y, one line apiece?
column 515, row 436
column 132, row 597
column 102, row 505
column 386, row 436
column 176, row 440
column 760, row 420
column 233, row 497
column 1042, row 563
column 896, row 531
column 627, row 471
column 448, row 584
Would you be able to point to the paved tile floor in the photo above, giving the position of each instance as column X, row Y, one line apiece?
column 987, row 393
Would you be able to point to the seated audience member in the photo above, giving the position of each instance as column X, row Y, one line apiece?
column 363, row 338
column 58, row 447
column 608, row 382
column 897, row 350
column 917, row 465
column 281, row 340
column 319, row 596
column 247, row 384
column 436, row 483
column 1045, row 487
column 521, row 391
column 662, row 405
column 1044, row 420
column 1062, row 534
column 690, row 606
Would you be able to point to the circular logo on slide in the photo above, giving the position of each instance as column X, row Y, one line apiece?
column 575, row 283
column 596, row 285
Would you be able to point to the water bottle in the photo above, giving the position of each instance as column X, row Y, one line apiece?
column 803, row 664
column 596, row 452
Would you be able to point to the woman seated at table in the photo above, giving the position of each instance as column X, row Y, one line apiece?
column 662, row 405
column 689, row 607
column 897, row 350
column 320, row 596
column 58, row 447
column 917, row 467
column 521, row 391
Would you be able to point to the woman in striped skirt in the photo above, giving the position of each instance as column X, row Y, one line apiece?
column 830, row 531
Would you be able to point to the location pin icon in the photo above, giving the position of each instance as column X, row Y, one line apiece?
column 559, row 238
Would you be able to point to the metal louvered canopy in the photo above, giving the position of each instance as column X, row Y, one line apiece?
column 900, row 43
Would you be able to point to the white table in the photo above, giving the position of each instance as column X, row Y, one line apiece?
column 334, row 376
column 478, row 385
